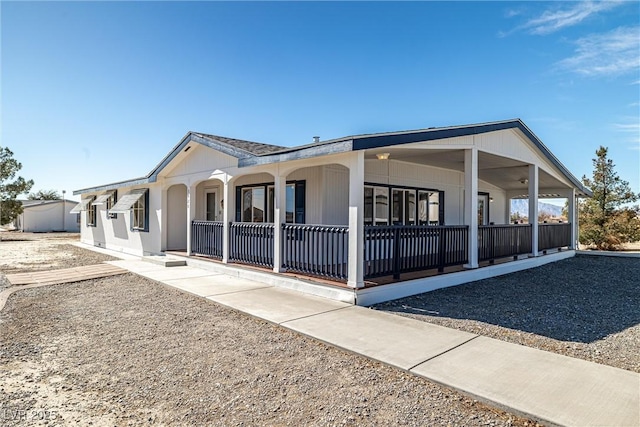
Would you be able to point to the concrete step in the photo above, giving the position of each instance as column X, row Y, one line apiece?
column 164, row 261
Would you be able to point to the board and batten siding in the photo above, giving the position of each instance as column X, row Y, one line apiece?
column 198, row 160
column 447, row 180
column 512, row 144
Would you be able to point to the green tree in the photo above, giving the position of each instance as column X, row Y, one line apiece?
column 44, row 195
column 607, row 220
column 11, row 186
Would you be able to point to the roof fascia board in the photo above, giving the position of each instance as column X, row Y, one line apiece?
column 116, row 185
column 305, row 153
column 153, row 175
column 430, row 135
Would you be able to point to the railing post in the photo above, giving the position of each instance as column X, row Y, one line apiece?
column 396, row 252
column 441, row 249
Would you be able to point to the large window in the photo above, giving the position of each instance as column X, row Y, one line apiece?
column 376, row 205
column 256, row 203
column 253, row 204
column 428, row 207
column 409, row 206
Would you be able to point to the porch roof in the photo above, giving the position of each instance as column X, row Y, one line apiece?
column 251, row 153
column 389, row 139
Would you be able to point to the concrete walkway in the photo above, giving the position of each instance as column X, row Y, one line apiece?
column 545, row 386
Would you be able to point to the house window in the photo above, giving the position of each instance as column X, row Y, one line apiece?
column 428, row 207
column 376, row 205
column 290, row 208
column 256, row 203
column 140, row 213
column 91, row 214
column 406, row 206
column 111, row 201
column 253, row 204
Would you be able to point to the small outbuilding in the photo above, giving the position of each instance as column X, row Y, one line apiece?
column 42, row 216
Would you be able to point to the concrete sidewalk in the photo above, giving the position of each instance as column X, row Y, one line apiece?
column 545, row 386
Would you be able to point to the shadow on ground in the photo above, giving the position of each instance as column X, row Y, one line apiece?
column 582, row 299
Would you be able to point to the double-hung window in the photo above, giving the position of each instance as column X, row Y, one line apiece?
column 136, row 202
column 91, row 213
column 139, row 214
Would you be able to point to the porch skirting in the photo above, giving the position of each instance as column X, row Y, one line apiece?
column 380, row 293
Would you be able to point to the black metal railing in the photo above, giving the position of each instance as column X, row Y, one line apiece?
column 251, row 243
column 318, row 250
column 397, row 249
column 206, row 238
column 500, row 241
column 552, row 236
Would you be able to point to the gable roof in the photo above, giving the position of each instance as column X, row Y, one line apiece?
column 237, row 148
column 250, row 153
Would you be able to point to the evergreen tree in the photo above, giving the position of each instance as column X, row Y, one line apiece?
column 44, row 195
column 10, row 186
column 607, row 219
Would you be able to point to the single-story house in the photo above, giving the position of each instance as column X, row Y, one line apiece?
column 43, row 216
column 349, row 213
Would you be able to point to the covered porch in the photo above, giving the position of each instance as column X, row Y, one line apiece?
column 376, row 217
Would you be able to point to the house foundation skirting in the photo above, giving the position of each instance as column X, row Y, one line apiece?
column 380, row 293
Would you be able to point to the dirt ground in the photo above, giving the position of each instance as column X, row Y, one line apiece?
column 125, row 350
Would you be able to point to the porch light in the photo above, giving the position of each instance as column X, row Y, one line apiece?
column 490, row 199
column 383, row 156
column 524, row 181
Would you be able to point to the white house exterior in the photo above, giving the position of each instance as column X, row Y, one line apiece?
column 42, row 216
column 349, row 210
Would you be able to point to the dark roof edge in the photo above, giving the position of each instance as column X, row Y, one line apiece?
column 115, row 185
column 375, row 141
column 307, row 152
column 153, row 175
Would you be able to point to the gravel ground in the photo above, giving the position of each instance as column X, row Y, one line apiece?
column 26, row 252
column 124, row 350
column 586, row 307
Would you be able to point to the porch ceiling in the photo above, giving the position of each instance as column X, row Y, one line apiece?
column 500, row 171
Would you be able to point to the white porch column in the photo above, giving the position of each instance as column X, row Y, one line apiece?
column 356, row 221
column 572, row 217
column 279, row 217
column 533, row 207
column 471, row 203
column 191, row 213
column 227, row 216
column 163, row 219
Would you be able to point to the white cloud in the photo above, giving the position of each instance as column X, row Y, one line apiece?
column 608, row 54
column 630, row 127
column 558, row 18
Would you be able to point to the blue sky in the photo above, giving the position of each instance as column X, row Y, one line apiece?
column 97, row 92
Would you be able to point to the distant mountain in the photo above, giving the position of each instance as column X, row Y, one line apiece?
column 521, row 206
